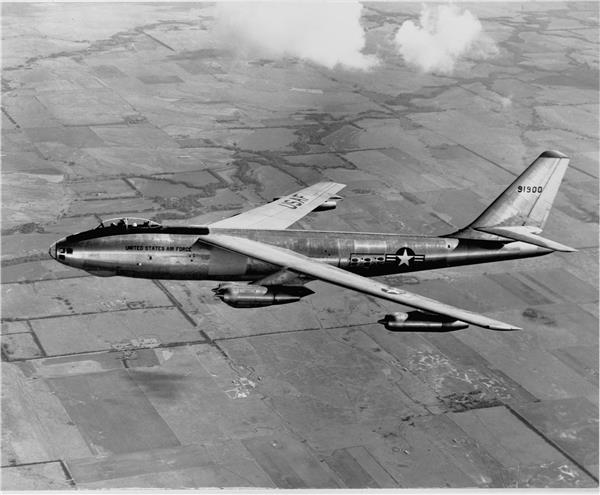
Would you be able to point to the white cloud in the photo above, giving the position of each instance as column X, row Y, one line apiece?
column 444, row 35
column 327, row 33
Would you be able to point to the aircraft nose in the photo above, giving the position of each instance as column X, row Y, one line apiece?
column 52, row 251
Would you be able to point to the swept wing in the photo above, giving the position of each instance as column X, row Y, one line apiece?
column 293, row 261
column 283, row 212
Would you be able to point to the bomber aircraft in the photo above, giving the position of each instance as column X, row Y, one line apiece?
column 260, row 262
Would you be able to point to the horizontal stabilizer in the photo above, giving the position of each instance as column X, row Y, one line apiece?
column 524, row 234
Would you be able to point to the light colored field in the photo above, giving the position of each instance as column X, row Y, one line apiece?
column 79, row 295
column 105, row 331
column 46, row 476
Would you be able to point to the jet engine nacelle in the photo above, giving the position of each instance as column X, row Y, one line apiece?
column 256, row 296
column 418, row 321
column 330, row 204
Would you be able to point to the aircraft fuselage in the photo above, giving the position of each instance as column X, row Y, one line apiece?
column 178, row 252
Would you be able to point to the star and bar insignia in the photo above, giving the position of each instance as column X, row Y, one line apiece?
column 405, row 256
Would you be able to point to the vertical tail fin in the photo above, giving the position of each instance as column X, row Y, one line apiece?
column 528, row 200
column 522, row 209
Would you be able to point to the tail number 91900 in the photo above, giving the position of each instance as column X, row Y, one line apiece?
column 529, row 189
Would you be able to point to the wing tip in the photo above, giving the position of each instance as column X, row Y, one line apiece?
column 504, row 327
column 553, row 154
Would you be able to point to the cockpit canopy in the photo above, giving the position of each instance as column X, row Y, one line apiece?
column 127, row 223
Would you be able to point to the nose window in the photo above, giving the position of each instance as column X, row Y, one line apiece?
column 62, row 251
